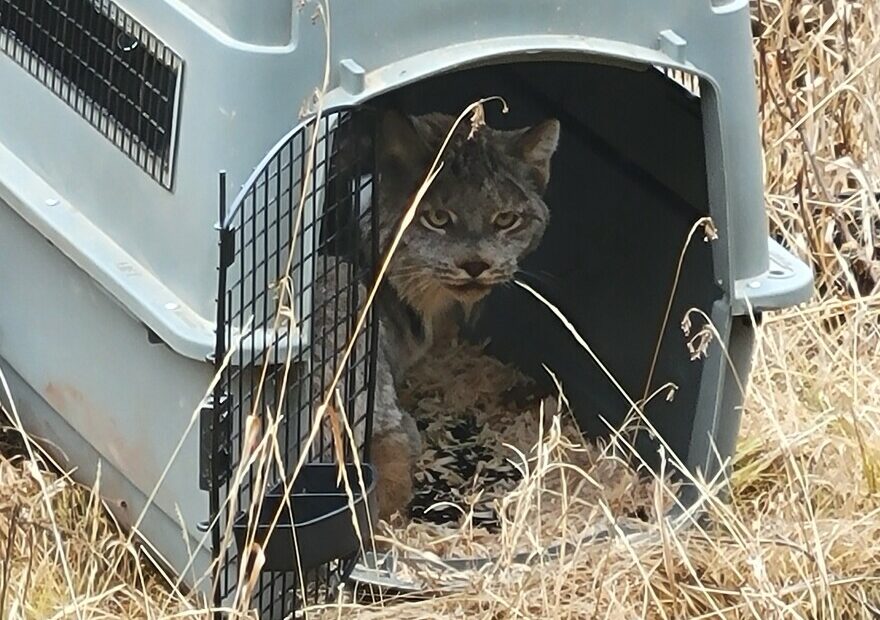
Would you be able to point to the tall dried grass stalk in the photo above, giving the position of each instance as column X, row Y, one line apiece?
column 801, row 535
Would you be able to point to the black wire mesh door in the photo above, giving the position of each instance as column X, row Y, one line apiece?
column 297, row 248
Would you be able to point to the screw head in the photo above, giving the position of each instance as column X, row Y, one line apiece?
column 126, row 42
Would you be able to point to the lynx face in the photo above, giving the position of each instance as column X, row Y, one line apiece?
column 481, row 216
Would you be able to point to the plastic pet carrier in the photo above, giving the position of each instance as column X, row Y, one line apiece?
column 130, row 279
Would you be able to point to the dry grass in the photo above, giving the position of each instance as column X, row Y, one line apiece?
column 568, row 487
column 801, row 537
column 94, row 573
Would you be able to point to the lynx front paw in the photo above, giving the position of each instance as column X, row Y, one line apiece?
column 393, row 454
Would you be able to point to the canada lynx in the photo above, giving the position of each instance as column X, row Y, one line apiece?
column 482, row 214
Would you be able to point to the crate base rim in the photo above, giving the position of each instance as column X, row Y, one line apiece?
column 376, row 570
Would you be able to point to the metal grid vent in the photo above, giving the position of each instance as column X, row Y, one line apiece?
column 298, row 246
column 107, row 67
column 689, row 81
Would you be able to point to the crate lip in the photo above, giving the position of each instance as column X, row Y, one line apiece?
column 374, row 569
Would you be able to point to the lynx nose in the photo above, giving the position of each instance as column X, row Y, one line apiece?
column 475, row 267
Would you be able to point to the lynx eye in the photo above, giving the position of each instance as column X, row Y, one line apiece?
column 437, row 219
column 505, row 220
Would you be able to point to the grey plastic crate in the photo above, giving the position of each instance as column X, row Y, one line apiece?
column 108, row 252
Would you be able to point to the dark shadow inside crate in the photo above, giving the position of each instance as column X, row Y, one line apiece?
column 628, row 182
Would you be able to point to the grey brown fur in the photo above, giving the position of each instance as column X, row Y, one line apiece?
column 481, row 216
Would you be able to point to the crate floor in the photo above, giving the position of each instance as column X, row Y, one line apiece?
column 482, row 424
column 458, row 397
column 460, row 469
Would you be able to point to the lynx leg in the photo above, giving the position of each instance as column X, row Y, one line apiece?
column 394, row 447
column 393, row 458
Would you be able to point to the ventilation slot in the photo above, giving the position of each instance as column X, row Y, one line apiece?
column 689, row 81
column 104, row 65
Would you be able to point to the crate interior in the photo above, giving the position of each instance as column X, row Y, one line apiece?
column 628, row 182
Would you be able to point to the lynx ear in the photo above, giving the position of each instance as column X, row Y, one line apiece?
column 353, row 146
column 401, row 152
column 536, row 146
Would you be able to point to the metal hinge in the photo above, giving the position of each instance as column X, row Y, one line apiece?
column 227, row 247
column 215, row 446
